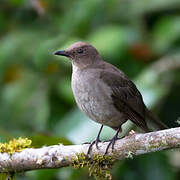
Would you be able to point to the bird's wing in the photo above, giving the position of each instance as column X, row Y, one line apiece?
column 126, row 97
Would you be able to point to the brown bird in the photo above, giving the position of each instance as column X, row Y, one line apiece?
column 104, row 93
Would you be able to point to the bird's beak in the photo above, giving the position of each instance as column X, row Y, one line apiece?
column 62, row 53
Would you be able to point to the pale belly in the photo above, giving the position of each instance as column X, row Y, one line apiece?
column 94, row 99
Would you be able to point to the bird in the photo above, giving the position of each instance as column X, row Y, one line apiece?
column 105, row 93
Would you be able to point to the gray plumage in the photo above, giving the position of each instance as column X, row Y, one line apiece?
column 103, row 92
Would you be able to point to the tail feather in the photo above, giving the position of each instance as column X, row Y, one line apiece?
column 155, row 122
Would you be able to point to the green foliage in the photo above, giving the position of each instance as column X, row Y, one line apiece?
column 166, row 32
column 7, row 176
column 42, row 140
column 36, row 99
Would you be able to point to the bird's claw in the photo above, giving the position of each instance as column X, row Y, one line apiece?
column 112, row 142
column 97, row 141
column 92, row 143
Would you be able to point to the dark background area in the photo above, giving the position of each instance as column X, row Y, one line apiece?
column 140, row 37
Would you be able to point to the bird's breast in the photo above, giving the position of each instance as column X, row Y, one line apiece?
column 93, row 96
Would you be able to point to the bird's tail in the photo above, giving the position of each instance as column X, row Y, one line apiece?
column 154, row 122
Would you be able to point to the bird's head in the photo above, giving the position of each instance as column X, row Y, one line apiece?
column 81, row 54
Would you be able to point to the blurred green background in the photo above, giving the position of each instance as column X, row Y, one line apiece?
column 140, row 37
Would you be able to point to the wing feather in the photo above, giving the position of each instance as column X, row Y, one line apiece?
column 126, row 97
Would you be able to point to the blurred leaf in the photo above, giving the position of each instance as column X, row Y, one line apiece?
column 16, row 2
column 3, row 176
column 158, row 168
column 143, row 6
column 78, row 19
column 64, row 90
column 151, row 89
column 44, row 53
column 42, row 140
column 166, row 32
column 45, row 174
column 26, row 103
column 111, row 41
column 13, row 73
column 151, row 80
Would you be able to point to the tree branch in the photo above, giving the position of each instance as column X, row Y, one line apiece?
column 59, row 156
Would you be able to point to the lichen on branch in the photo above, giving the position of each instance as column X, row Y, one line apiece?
column 98, row 166
column 15, row 145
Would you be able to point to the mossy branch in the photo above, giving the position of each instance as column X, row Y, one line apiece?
column 58, row 156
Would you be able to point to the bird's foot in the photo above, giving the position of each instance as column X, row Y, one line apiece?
column 112, row 142
column 96, row 141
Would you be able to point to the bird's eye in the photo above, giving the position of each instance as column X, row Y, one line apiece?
column 80, row 51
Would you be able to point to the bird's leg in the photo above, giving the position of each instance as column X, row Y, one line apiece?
column 113, row 140
column 98, row 137
column 96, row 141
